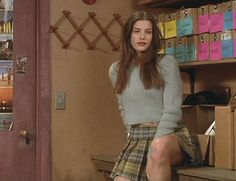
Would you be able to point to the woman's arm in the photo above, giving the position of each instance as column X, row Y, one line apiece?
column 172, row 97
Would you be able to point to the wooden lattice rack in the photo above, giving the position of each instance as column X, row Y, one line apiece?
column 79, row 30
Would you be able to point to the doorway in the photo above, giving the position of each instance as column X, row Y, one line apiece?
column 25, row 153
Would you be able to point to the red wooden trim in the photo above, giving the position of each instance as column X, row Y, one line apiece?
column 43, row 117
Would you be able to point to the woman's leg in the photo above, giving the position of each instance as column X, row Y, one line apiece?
column 165, row 151
column 119, row 178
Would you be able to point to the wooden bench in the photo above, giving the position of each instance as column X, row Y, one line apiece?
column 105, row 163
column 206, row 174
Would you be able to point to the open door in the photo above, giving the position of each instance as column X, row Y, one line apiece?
column 27, row 127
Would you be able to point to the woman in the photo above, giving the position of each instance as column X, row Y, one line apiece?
column 149, row 90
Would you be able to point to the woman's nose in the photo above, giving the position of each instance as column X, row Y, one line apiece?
column 142, row 35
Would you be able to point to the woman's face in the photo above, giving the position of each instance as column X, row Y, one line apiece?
column 141, row 36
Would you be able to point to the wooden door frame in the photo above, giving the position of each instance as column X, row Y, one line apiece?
column 43, row 96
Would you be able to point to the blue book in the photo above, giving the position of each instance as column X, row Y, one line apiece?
column 185, row 26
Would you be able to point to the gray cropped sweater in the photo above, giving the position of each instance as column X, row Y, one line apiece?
column 140, row 105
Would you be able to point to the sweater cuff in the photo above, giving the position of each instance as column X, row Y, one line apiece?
column 162, row 131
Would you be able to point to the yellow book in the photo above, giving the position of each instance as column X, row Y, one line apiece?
column 170, row 29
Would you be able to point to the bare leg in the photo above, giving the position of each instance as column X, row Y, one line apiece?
column 119, row 178
column 165, row 152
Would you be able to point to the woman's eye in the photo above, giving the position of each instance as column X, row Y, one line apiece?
column 136, row 31
column 149, row 32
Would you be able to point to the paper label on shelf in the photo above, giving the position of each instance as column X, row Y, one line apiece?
column 203, row 51
column 170, row 29
column 216, row 50
column 228, row 20
column 227, row 35
column 216, row 22
column 185, row 26
column 204, row 24
column 228, row 48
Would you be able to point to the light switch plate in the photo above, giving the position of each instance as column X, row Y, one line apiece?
column 60, row 100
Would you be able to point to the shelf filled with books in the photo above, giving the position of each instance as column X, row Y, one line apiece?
column 201, row 36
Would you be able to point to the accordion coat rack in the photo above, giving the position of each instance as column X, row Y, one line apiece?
column 78, row 30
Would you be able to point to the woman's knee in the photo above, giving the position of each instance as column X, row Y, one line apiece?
column 165, row 149
column 159, row 150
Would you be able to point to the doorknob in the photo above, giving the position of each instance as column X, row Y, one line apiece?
column 26, row 135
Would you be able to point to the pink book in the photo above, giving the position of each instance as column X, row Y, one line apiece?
column 216, row 22
column 203, row 51
column 204, row 23
column 216, row 50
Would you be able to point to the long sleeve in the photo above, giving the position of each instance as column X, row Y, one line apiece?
column 172, row 97
column 113, row 77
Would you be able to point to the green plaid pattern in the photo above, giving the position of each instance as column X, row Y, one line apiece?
column 131, row 162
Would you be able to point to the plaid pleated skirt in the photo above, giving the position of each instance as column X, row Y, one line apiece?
column 132, row 160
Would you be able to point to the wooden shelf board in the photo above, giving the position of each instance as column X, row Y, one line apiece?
column 187, row 106
column 210, row 105
column 195, row 64
column 202, row 105
column 175, row 3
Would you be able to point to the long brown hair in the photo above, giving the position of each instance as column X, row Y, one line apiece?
column 148, row 61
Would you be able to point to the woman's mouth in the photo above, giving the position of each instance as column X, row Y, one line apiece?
column 141, row 43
